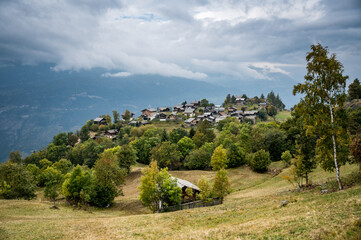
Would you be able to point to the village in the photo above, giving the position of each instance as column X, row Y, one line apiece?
column 192, row 113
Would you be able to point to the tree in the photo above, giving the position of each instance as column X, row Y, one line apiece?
column 15, row 157
column 143, row 146
column 219, row 158
column 78, row 186
column 177, row 134
column 127, row 157
column 63, row 165
column 60, row 139
column 271, row 111
column 221, row 184
column 72, row 139
column 260, row 161
column 127, row 115
column 324, row 91
column 108, row 179
column 204, row 103
column 53, row 181
column 16, row 182
column 354, row 90
column 185, row 146
column 286, row 157
column 206, row 191
column 262, row 96
column 158, row 189
column 116, row 116
column 56, row 152
column 355, row 148
column 200, row 158
column 167, row 155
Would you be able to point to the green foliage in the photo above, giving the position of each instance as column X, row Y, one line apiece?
column 262, row 115
column 270, row 138
column 90, row 152
column 56, row 152
column 60, row 139
column 63, row 165
column 16, row 182
column 143, row 146
column 221, row 186
column 206, row 190
column 260, row 161
column 34, row 172
column 286, row 157
column 355, row 121
column 271, row 111
column 53, row 180
column 84, row 132
column 354, row 90
column 236, row 155
column 15, row 157
column 72, row 139
column 219, row 158
column 116, row 116
column 325, row 117
column 355, row 149
column 275, row 101
column 127, row 157
column 200, row 158
column 127, row 115
column 167, row 155
column 158, row 189
column 35, row 157
column 78, row 186
column 177, row 134
column 185, row 146
column 108, row 179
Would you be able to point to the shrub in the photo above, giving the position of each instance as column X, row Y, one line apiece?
column 286, row 157
column 16, row 182
column 260, row 161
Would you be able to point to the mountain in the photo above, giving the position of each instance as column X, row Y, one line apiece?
column 37, row 103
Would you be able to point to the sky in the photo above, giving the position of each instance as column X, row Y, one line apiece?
column 213, row 41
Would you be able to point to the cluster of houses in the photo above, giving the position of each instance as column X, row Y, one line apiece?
column 191, row 113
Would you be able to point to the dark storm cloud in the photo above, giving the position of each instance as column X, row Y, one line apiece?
column 191, row 39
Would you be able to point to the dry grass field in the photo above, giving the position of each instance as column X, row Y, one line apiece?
column 251, row 211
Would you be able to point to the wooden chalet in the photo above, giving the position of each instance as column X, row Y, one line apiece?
column 149, row 112
column 112, row 133
column 240, row 100
column 163, row 117
column 190, row 112
column 195, row 103
column 191, row 121
column 100, row 121
column 184, row 184
column 164, row 109
column 178, row 108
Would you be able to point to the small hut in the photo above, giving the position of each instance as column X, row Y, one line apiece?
column 184, row 184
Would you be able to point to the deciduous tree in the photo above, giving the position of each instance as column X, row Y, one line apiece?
column 324, row 91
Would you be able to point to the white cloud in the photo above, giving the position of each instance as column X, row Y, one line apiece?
column 189, row 39
column 118, row 74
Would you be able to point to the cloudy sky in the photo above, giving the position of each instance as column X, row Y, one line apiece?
column 247, row 40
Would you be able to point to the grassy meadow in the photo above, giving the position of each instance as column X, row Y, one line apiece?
column 251, row 211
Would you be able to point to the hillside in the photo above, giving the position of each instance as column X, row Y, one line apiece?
column 251, row 211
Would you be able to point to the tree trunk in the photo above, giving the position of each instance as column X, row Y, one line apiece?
column 335, row 153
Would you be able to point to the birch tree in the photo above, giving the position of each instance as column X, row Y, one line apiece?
column 325, row 118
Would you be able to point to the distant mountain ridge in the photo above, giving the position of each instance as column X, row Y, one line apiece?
column 37, row 103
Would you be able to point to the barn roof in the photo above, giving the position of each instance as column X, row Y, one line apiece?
column 184, row 183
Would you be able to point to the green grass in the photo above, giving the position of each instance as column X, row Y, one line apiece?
column 283, row 116
column 251, row 211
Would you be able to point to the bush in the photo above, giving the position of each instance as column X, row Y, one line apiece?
column 16, row 182
column 286, row 157
column 260, row 161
